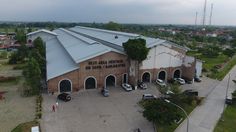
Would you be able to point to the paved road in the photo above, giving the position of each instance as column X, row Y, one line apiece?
column 205, row 117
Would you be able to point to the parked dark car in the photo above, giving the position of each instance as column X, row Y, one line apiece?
column 149, row 97
column 191, row 92
column 196, row 79
column 228, row 101
column 64, row 97
column 105, row 92
column 142, row 85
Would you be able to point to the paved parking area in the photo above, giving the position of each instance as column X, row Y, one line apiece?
column 89, row 111
column 204, row 88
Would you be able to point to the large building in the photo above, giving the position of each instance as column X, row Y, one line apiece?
column 82, row 58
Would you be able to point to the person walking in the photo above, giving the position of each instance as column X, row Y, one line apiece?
column 53, row 108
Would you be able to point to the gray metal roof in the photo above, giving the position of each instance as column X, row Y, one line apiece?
column 114, row 37
column 58, row 60
column 79, row 47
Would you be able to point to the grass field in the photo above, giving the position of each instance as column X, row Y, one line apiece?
column 8, row 30
column 210, row 63
column 229, row 120
column 221, row 74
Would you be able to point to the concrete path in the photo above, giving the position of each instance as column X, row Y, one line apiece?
column 205, row 117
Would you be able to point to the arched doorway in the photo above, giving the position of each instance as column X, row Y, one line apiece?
column 90, row 83
column 125, row 78
column 146, row 77
column 65, row 86
column 110, row 81
column 177, row 74
column 162, row 75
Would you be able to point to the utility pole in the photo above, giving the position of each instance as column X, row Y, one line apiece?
column 196, row 18
column 211, row 13
column 204, row 13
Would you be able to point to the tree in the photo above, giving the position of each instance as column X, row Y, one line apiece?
column 113, row 26
column 32, row 76
column 23, row 52
column 21, row 36
column 39, row 45
column 3, row 54
column 229, row 52
column 40, row 60
column 39, row 54
column 136, row 50
column 160, row 112
column 211, row 51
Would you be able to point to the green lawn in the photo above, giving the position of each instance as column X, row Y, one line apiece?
column 229, row 123
column 221, row 74
column 209, row 63
column 9, row 29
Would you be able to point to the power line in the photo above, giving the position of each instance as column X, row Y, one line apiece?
column 211, row 13
column 204, row 13
column 196, row 18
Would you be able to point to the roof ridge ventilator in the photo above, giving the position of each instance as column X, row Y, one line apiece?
column 109, row 31
column 80, row 37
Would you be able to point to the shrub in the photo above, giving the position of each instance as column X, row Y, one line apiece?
column 194, row 103
column 204, row 70
column 38, row 115
column 4, row 55
column 7, row 79
column 19, row 67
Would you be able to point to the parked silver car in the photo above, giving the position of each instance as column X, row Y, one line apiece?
column 127, row 87
column 180, row 80
column 161, row 83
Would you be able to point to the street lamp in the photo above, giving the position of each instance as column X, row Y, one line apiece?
column 181, row 109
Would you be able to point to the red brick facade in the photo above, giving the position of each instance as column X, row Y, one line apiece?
column 100, row 67
column 114, row 64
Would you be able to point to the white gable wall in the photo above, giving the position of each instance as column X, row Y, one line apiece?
column 162, row 57
column 45, row 36
column 198, row 68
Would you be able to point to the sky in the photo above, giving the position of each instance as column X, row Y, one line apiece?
column 120, row 11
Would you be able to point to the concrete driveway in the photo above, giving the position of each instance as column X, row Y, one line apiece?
column 204, row 88
column 89, row 111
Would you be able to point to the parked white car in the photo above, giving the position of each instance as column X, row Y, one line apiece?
column 180, row 80
column 127, row 87
column 161, row 83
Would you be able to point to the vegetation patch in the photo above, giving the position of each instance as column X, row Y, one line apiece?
column 8, row 79
column 228, row 121
column 166, row 116
column 39, row 100
column 25, row 127
column 221, row 73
